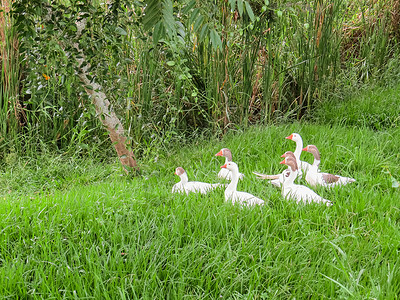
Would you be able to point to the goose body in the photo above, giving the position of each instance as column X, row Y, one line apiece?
column 225, row 173
column 185, row 186
column 302, row 165
column 296, row 192
column 231, row 193
column 316, row 178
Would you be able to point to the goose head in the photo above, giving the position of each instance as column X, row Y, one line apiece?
column 290, row 162
column 231, row 166
column 179, row 171
column 294, row 137
column 313, row 150
column 288, row 154
column 225, row 152
column 182, row 174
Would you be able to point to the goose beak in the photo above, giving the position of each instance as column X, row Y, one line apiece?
column 283, row 155
column 175, row 173
column 289, row 137
column 282, row 162
column 219, row 154
column 305, row 149
column 224, row 166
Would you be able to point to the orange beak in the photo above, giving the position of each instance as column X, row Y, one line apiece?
column 175, row 173
column 224, row 166
column 289, row 137
column 305, row 149
column 282, row 162
column 283, row 155
column 219, row 154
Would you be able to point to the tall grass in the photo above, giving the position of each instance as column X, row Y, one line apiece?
column 291, row 58
column 12, row 116
column 281, row 66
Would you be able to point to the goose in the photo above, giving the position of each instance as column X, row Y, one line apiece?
column 304, row 166
column 314, row 177
column 186, row 186
column 231, row 193
column 278, row 179
column 225, row 173
column 299, row 193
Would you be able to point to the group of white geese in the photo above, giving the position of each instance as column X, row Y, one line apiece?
column 299, row 193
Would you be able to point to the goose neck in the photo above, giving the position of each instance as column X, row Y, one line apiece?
column 234, row 182
column 299, row 149
column 184, row 178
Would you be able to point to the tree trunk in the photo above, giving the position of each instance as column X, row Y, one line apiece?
column 107, row 117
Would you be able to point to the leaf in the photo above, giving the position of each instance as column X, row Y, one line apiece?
column 215, row 39
column 152, row 14
column 168, row 18
column 171, row 63
column 188, row 7
column 120, row 31
column 180, row 29
column 194, row 15
column 158, row 32
column 240, row 7
column 249, row 11
column 279, row 13
column 203, row 32
column 198, row 23
column 233, row 4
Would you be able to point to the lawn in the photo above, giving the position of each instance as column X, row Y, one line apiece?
column 80, row 229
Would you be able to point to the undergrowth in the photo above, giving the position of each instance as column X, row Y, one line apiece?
column 109, row 236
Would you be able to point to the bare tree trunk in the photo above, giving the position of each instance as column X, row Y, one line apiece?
column 111, row 122
column 107, row 117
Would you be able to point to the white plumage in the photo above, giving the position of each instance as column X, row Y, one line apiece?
column 296, row 192
column 225, row 173
column 186, row 186
column 231, row 193
column 314, row 177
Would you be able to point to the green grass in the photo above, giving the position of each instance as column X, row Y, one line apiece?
column 105, row 236
column 376, row 108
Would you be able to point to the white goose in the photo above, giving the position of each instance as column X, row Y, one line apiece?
column 231, row 193
column 304, row 166
column 314, row 177
column 225, row 173
column 278, row 179
column 186, row 186
column 299, row 193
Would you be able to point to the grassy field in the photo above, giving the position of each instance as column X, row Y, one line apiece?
column 79, row 229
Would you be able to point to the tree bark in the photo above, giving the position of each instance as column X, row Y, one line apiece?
column 102, row 105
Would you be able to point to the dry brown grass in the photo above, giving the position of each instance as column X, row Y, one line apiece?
column 361, row 20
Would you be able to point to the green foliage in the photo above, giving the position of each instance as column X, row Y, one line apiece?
column 57, row 106
column 173, row 70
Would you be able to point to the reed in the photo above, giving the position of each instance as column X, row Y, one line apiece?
column 12, row 116
column 278, row 66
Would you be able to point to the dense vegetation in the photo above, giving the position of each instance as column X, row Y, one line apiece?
column 176, row 70
column 188, row 78
column 74, row 228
